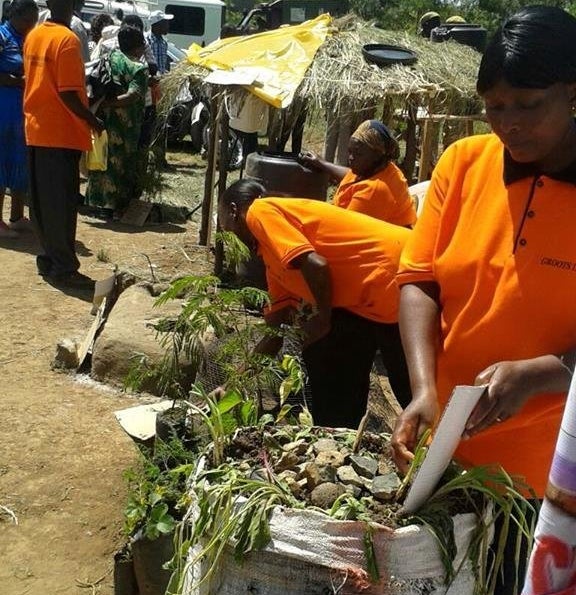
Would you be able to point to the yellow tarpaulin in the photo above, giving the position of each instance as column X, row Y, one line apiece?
column 275, row 60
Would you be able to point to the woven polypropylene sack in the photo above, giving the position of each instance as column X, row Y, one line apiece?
column 312, row 554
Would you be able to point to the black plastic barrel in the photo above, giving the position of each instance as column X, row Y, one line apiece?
column 282, row 175
column 465, row 33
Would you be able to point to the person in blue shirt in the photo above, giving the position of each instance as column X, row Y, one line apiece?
column 22, row 17
column 159, row 27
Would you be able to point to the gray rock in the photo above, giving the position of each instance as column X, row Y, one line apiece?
column 326, row 494
column 157, row 289
column 384, row 487
column 384, row 466
column 316, row 475
column 348, row 476
column 294, row 486
column 354, row 490
column 311, row 473
column 66, row 356
column 288, row 460
column 329, row 458
column 328, row 473
column 124, row 280
column 325, row 444
column 288, row 474
column 365, row 466
column 298, row 447
column 129, row 332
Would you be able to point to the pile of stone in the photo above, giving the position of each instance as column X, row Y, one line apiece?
column 321, row 465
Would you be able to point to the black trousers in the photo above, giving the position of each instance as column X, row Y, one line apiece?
column 339, row 368
column 54, row 190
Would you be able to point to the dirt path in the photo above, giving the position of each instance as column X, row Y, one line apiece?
column 62, row 453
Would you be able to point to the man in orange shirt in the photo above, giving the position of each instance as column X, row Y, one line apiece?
column 341, row 263
column 373, row 185
column 57, row 126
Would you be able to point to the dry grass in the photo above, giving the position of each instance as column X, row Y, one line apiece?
column 340, row 80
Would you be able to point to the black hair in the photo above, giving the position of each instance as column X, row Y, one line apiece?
column 133, row 20
column 98, row 23
column 18, row 8
column 534, row 49
column 244, row 191
column 130, row 38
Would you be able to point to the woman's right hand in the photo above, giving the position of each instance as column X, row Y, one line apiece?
column 419, row 416
column 310, row 160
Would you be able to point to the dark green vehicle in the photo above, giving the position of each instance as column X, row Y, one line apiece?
column 271, row 15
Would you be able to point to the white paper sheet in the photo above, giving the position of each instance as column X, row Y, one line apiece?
column 446, row 439
column 140, row 421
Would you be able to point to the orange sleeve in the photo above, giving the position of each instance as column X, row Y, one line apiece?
column 69, row 66
column 276, row 233
column 417, row 259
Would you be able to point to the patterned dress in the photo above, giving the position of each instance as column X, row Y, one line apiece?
column 13, row 154
column 114, row 188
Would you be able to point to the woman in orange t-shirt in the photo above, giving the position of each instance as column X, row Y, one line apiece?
column 373, row 184
column 488, row 276
column 341, row 266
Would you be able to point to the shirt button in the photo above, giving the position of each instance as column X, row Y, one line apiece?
column 530, row 214
column 522, row 242
column 539, row 183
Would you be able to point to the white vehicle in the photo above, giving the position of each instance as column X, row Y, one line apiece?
column 195, row 21
column 116, row 9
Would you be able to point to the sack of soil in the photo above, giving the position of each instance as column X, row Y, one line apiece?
column 294, row 510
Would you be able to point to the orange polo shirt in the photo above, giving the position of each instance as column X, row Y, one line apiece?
column 384, row 196
column 499, row 240
column 53, row 63
column 362, row 253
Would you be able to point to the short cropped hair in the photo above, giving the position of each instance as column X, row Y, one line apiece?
column 130, row 38
column 18, row 8
column 244, row 191
column 534, row 49
column 133, row 20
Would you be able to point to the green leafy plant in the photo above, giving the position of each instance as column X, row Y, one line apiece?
column 235, row 250
column 216, row 332
column 157, row 490
column 491, row 494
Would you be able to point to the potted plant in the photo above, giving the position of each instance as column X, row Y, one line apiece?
column 157, row 499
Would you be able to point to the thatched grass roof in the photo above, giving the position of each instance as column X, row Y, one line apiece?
column 339, row 76
column 445, row 72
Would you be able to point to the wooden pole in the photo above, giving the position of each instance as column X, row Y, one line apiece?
column 409, row 163
column 223, row 164
column 208, row 200
column 429, row 147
